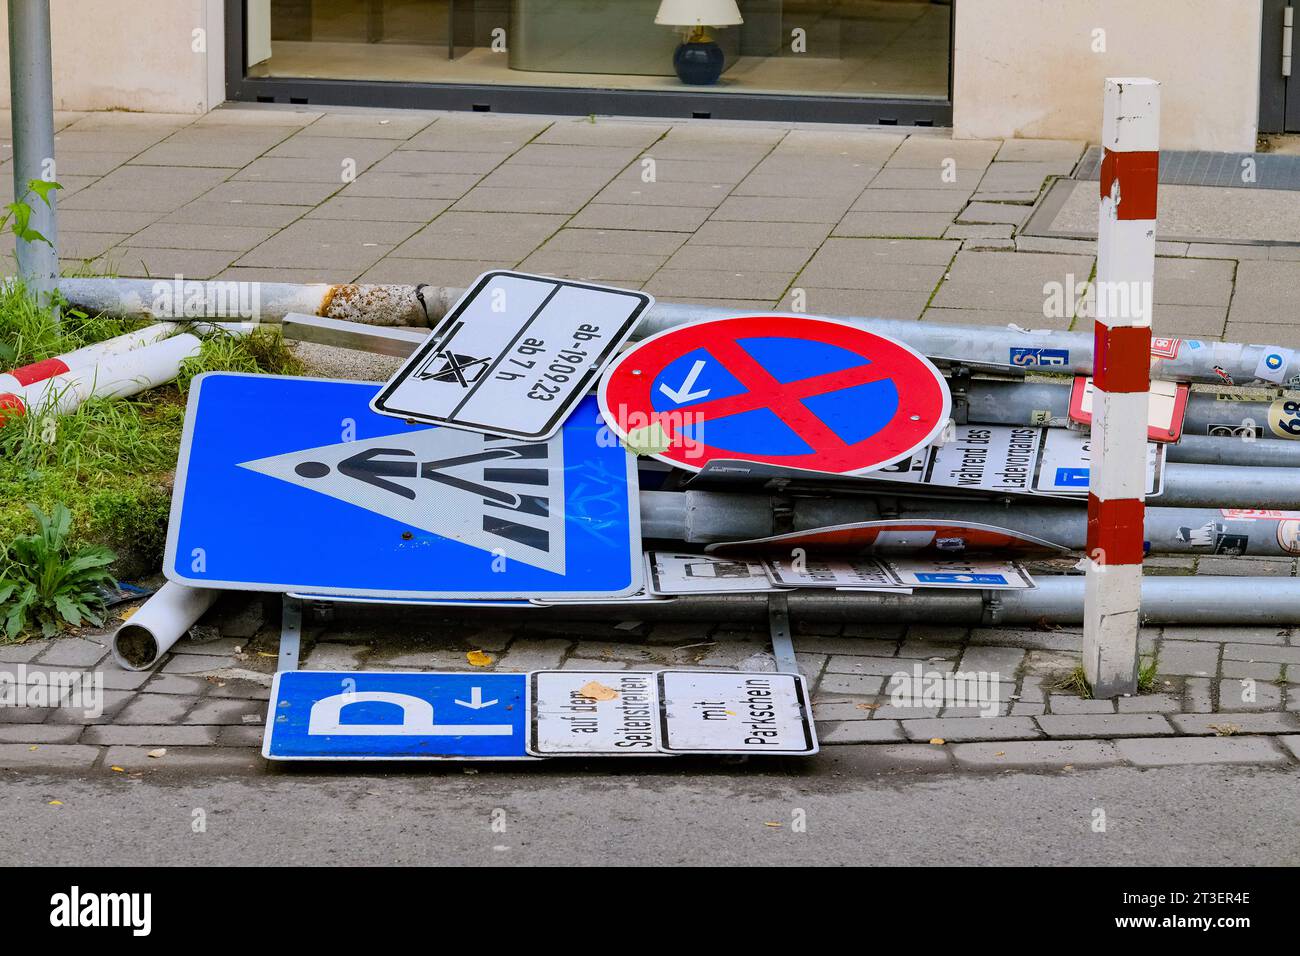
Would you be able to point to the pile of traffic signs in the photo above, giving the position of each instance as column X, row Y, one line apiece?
column 485, row 473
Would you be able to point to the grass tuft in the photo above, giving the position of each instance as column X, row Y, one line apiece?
column 1074, row 683
column 112, row 461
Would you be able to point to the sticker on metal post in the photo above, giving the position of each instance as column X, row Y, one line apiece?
column 1274, row 364
column 725, row 712
column 594, row 714
column 797, row 392
column 514, row 356
column 295, row 485
column 368, row 715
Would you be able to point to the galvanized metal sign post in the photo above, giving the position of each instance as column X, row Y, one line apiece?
column 31, row 96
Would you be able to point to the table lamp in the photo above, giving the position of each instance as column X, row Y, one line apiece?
column 698, row 60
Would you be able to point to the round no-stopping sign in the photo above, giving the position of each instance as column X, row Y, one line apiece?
column 796, row 392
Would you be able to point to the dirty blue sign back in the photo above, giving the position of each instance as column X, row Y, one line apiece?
column 295, row 485
column 359, row 715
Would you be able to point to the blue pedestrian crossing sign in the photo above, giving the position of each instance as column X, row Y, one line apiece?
column 371, row 715
column 295, row 485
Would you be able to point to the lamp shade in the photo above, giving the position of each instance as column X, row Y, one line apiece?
column 698, row 13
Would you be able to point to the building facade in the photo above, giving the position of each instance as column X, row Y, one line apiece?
column 986, row 68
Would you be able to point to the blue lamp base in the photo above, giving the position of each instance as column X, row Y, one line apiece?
column 698, row 63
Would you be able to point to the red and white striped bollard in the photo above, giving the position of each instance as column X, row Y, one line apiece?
column 1126, row 247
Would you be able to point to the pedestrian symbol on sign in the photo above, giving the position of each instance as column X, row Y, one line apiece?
column 375, row 466
column 490, row 493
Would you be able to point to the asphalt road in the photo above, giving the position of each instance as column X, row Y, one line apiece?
column 704, row 814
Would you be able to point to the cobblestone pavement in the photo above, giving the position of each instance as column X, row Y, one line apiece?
column 826, row 219
column 1221, row 695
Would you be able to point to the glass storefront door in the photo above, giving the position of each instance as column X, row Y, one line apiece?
column 810, row 48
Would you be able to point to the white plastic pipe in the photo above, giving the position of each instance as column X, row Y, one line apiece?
column 115, row 377
column 159, row 623
column 18, row 379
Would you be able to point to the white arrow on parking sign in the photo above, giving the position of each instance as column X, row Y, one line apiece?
column 476, row 700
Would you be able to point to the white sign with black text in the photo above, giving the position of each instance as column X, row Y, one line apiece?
column 672, row 574
column 737, row 713
column 1065, row 460
column 594, row 714
column 862, row 574
column 980, row 457
column 514, row 355
column 898, row 575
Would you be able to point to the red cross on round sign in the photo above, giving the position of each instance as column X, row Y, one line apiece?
column 798, row 392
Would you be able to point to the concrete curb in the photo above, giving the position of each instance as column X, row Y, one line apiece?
column 1270, row 750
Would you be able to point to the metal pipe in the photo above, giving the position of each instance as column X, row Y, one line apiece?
column 1042, row 350
column 159, row 623
column 1225, row 486
column 118, row 375
column 31, row 98
column 1190, row 599
column 1204, row 450
column 269, row 302
column 710, row 517
column 1229, row 418
column 1023, row 403
column 1058, row 600
column 379, row 340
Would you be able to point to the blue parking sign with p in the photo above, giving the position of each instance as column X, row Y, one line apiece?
column 341, row 715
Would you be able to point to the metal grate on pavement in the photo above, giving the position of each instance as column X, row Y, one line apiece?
column 1203, row 168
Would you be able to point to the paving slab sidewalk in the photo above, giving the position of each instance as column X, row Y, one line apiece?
column 902, row 224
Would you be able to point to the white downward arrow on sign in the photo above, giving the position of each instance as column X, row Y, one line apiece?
column 684, row 393
column 476, row 700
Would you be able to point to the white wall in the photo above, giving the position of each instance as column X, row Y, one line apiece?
column 131, row 54
column 1027, row 68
